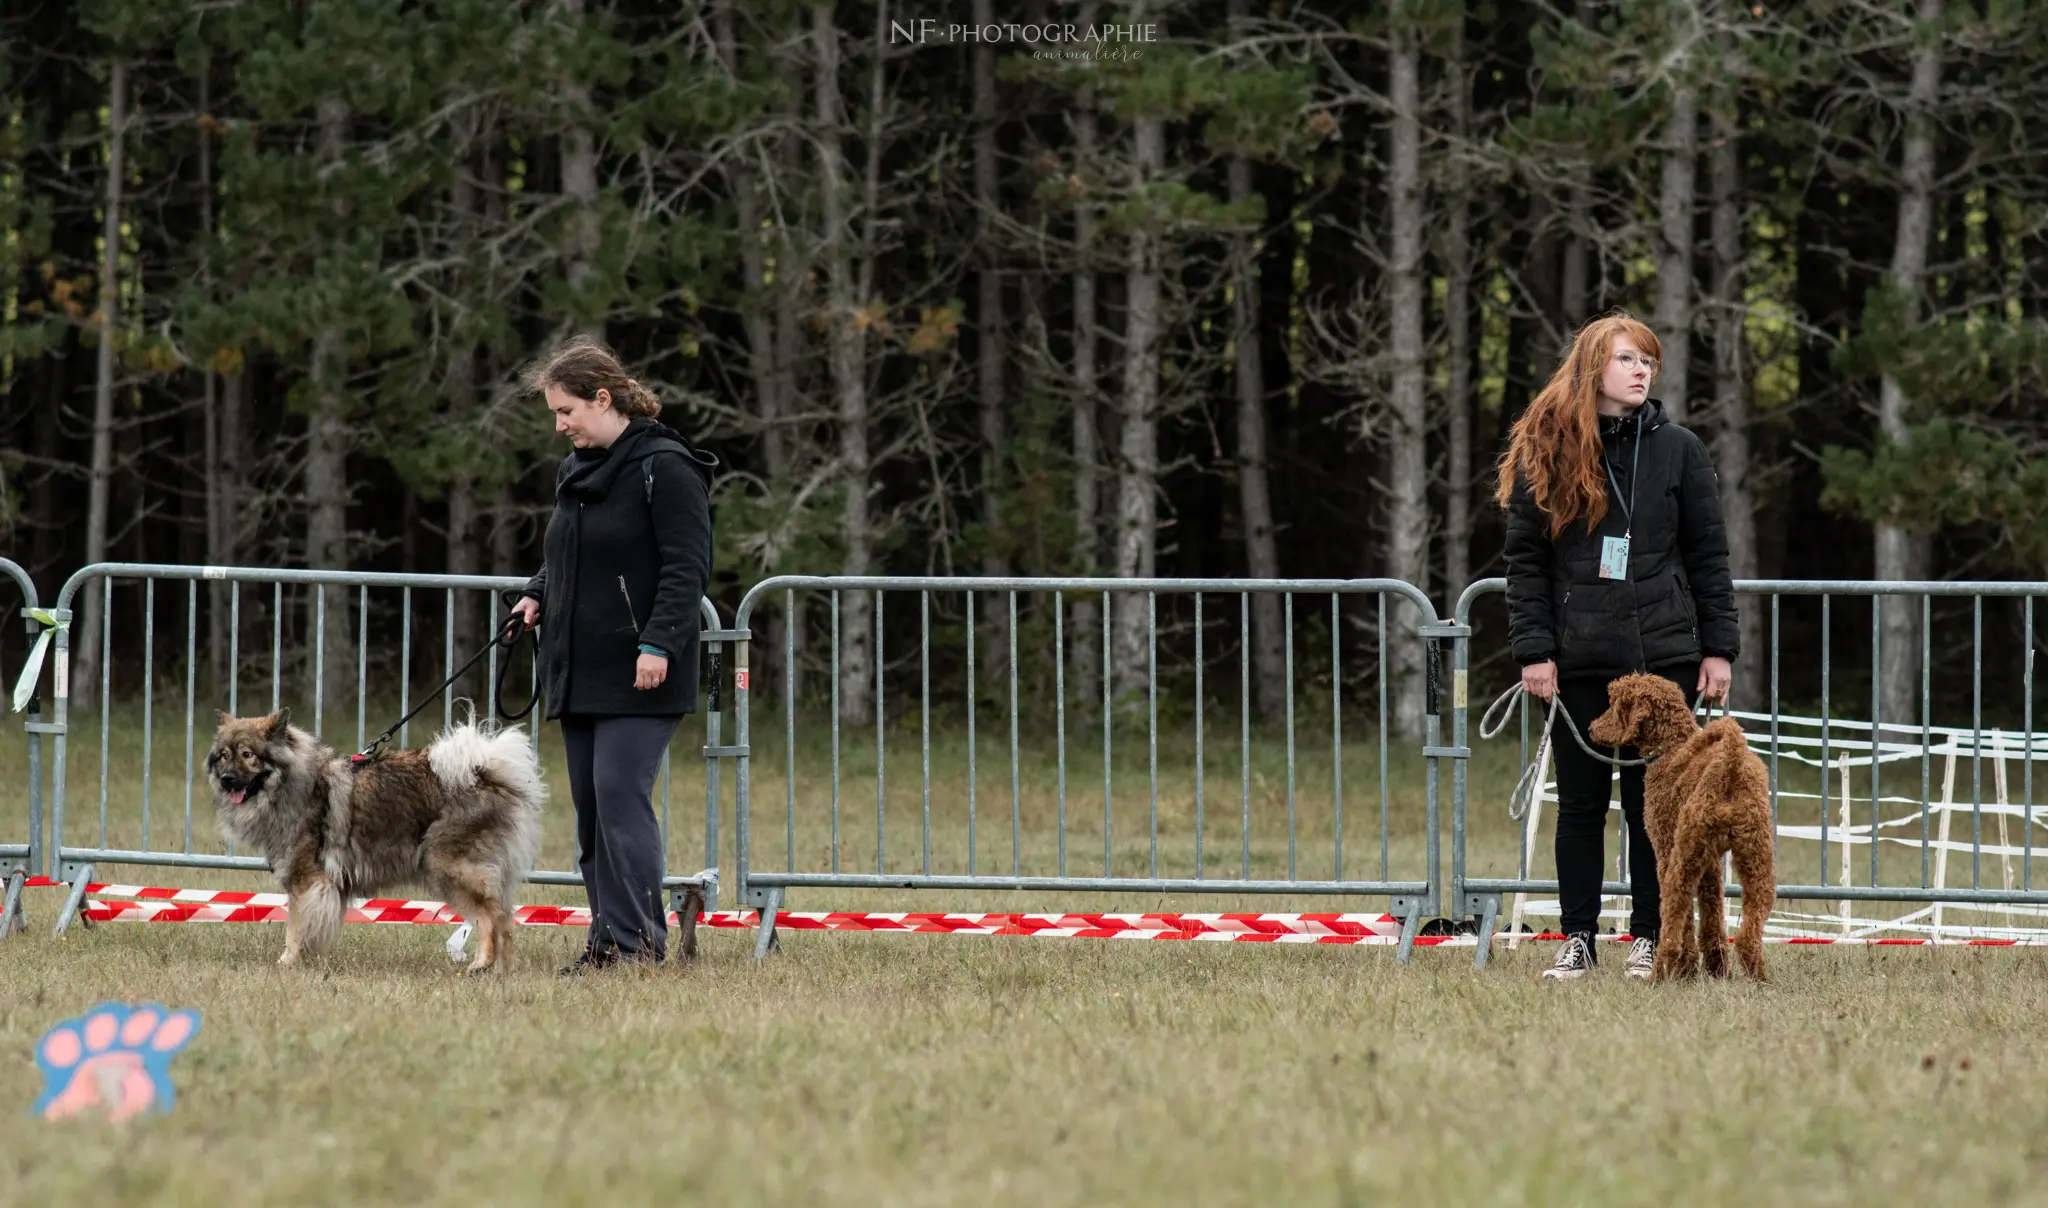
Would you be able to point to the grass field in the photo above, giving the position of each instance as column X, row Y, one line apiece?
column 940, row 1070
column 937, row 1070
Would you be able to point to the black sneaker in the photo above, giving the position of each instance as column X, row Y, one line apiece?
column 589, row 962
column 1574, row 959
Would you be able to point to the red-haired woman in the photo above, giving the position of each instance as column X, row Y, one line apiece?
column 1617, row 561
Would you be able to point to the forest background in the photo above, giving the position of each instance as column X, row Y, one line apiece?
column 1251, row 288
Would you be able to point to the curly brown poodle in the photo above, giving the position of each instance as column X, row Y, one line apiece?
column 1705, row 794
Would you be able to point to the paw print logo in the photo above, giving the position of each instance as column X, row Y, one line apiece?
column 114, row 1061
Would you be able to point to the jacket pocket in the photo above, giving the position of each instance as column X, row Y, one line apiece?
column 627, row 596
column 1687, row 605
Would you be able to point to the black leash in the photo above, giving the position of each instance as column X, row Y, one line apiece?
column 508, row 636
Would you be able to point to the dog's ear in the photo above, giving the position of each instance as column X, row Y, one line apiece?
column 280, row 721
column 221, row 718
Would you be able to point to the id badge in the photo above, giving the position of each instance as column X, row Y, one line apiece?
column 1614, row 557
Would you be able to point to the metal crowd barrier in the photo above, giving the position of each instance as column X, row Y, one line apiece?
column 881, row 646
column 19, row 861
column 293, row 622
column 1840, row 811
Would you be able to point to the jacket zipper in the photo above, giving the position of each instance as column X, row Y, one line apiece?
column 630, row 614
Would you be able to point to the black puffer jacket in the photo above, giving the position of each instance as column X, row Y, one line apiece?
column 628, row 556
column 1678, row 602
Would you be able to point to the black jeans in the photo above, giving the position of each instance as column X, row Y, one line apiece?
column 1583, row 793
column 612, row 764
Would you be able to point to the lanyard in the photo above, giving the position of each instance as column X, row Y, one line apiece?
column 1628, row 506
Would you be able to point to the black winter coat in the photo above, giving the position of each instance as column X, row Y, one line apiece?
column 1678, row 602
column 628, row 554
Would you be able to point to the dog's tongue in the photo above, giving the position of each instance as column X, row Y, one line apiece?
column 237, row 795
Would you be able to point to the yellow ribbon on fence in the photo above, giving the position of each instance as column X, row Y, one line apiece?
column 25, row 687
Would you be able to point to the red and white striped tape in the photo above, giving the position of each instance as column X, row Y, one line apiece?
column 108, row 903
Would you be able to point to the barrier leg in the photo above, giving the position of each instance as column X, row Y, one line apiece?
column 72, row 901
column 11, row 921
column 765, row 941
column 1489, row 913
column 1410, row 925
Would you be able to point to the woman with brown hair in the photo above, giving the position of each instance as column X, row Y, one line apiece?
column 1617, row 562
column 628, row 555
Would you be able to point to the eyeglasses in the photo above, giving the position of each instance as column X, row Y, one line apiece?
column 1631, row 360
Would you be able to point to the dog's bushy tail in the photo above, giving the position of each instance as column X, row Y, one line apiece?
column 502, row 765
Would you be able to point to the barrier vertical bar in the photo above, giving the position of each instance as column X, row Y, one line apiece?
column 1876, row 727
column 1977, row 741
column 405, row 669
column 363, row 661
column 1287, row 629
column 881, row 731
column 1152, row 720
column 1336, row 739
column 1059, row 679
column 1200, row 865
column 1827, row 768
column 448, row 659
column 1926, row 720
column 789, row 625
column 191, row 690
column 924, row 725
column 835, row 730
column 1244, row 734
column 1016, row 800
column 106, row 691
column 234, row 648
column 148, row 698
column 1384, row 844
column 973, row 840
column 319, row 657
column 1107, row 861
column 276, row 644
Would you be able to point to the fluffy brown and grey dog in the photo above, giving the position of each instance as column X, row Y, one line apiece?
column 461, row 817
column 1707, row 793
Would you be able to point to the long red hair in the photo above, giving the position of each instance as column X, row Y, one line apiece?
column 1555, row 445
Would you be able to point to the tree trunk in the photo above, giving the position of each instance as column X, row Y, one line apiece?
column 86, row 645
column 1732, row 458
column 1254, row 489
column 1674, row 258
column 1408, row 431
column 219, row 539
column 1573, row 307
column 1087, row 623
column 849, row 385
column 328, row 438
column 579, row 184
column 769, row 375
column 1255, row 495
column 505, row 534
column 1138, row 470
column 462, row 553
column 1902, row 553
column 1458, row 350
column 990, row 337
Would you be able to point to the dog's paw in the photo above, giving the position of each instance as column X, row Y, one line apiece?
column 288, row 960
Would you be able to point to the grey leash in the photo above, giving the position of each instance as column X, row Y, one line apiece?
column 1496, row 719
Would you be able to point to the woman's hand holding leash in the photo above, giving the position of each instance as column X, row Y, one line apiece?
column 1715, row 675
column 527, row 610
column 1540, row 679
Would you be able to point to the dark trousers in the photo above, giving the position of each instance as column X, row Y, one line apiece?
column 612, row 764
column 1584, row 789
